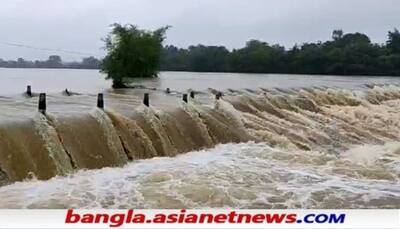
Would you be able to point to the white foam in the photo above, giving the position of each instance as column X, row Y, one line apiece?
column 247, row 175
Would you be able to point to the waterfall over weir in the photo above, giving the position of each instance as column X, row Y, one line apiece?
column 309, row 119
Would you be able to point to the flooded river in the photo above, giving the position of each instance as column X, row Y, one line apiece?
column 272, row 141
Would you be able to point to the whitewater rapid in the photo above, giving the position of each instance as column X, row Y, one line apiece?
column 245, row 175
column 304, row 147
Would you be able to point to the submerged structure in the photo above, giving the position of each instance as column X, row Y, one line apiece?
column 327, row 120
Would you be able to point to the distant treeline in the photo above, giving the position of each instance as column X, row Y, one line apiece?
column 51, row 62
column 344, row 54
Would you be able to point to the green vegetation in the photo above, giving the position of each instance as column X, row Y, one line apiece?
column 139, row 53
column 52, row 62
column 345, row 54
column 132, row 53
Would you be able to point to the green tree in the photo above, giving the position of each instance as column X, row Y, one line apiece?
column 208, row 58
column 90, row 63
column 257, row 57
column 393, row 43
column 174, row 59
column 310, row 59
column 337, row 34
column 132, row 53
column 350, row 54
column 54, row 61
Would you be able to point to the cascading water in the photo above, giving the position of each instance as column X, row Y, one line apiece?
column 308, row 147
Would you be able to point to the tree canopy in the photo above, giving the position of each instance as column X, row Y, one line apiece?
column 52, row 62
column 139, row 53
column 131, row 53
column 344, row 54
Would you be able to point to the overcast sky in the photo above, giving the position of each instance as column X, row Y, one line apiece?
column 79, row 25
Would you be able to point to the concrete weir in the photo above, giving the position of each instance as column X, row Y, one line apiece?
column 331, row 120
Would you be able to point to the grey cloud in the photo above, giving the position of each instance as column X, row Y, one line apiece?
column 79, row 25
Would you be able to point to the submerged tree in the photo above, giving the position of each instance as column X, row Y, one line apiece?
column 132, row 53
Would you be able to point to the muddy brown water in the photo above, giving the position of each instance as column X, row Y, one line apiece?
column 272, row 141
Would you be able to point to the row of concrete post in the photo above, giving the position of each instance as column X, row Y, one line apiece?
column 100, row 98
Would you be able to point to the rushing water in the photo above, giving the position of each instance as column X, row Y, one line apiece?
column 233, row 175
column 14, row 81
column 273, row 141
